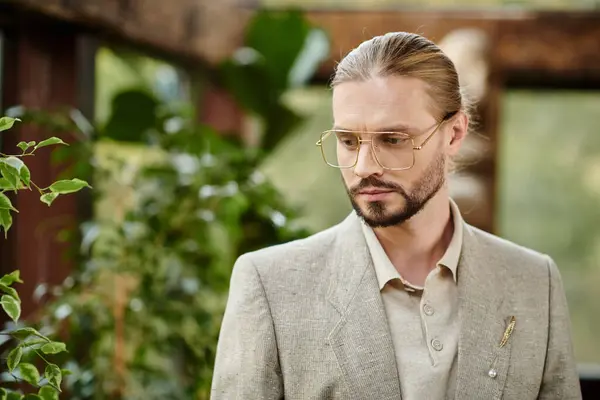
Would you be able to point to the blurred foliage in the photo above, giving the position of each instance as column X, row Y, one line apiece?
column 297, row 169
column 119, row 68
column 258, row 83
column 282, row 51
column 549, row 191
column 145, row 308
column 143, row 311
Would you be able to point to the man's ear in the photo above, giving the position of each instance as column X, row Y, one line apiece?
column 458, row 132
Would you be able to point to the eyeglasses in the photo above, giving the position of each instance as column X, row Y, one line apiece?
column 393, row 151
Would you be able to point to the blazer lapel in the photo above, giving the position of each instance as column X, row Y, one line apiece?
column 361, row 339
column 484, row 317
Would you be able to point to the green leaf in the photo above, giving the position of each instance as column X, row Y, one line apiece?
column 14, row 396
column 313, row 53
column 14, row 162
column 48, row 393
column 280, row 122
column 134, row 114
column 54, row 348
column 14, row 358
column 31, row 343
column 68, row 186
column 48, row 198
column 247, row 83
column 11, row 278
column 5, row 184
column 5, row 221
column 7, row 123
column 25, row 175
column 9, row 291
column 279, row 55
column 53, row 374
column 29, row 373
column 5, row 203
column 11, row 306
column 24, row 333
column 3, row 394
column 10, row 173
column 32, row 397
column 49, row 142
column 25, row 145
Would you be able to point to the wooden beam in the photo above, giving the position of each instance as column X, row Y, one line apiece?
column 203, row 30
column 348, row 29
column 199, row 30
column 551, row 43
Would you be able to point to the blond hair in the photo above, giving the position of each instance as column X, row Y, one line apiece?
column 411, row 55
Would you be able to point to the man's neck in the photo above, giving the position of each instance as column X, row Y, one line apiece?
column 415, row 246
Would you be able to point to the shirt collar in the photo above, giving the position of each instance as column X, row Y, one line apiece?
column 385, row 270
column 452, row 255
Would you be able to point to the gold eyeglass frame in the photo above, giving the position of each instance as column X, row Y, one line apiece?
column 361, row 141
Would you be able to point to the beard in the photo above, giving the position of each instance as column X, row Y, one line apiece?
column 378, row 215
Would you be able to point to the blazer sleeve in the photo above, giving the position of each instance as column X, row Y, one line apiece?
column 560, row 380
column 247, row 363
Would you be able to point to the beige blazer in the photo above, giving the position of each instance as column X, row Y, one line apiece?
column 305, row 320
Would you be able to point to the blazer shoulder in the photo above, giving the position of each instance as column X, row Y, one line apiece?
column 519, row 259
column 298, row 253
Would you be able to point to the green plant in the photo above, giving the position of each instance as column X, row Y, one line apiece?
column 143, row 311
column 16, row 176
column 282, row 51
column 146, row 305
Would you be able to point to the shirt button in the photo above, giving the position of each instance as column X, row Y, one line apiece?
column 428, row 309
column 437, row 345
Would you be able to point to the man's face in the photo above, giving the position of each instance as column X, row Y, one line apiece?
column 384, row 197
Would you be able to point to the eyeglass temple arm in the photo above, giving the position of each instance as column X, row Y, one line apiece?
column 437, row 128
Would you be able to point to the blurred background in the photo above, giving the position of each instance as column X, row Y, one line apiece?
column 195, row 121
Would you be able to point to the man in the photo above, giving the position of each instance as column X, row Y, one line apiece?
column 402, row 299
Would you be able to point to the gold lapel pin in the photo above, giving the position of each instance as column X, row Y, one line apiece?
column 492, row 373
column 508, row 332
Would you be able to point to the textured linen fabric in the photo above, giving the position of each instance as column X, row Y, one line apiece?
column 305, row 320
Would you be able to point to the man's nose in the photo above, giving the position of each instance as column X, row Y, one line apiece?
column 367, row 165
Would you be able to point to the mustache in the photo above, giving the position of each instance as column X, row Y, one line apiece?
column 373, row 182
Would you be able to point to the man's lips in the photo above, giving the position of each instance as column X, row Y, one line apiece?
column 374, row 191
column 374, row 194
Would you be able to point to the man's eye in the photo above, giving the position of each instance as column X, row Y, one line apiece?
column 348, row 141
column 394, row 140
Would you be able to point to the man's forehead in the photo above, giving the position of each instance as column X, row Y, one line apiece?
column 386, row 89
column 382, row 104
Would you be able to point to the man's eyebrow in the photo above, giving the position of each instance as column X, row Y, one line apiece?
column 398, row 128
